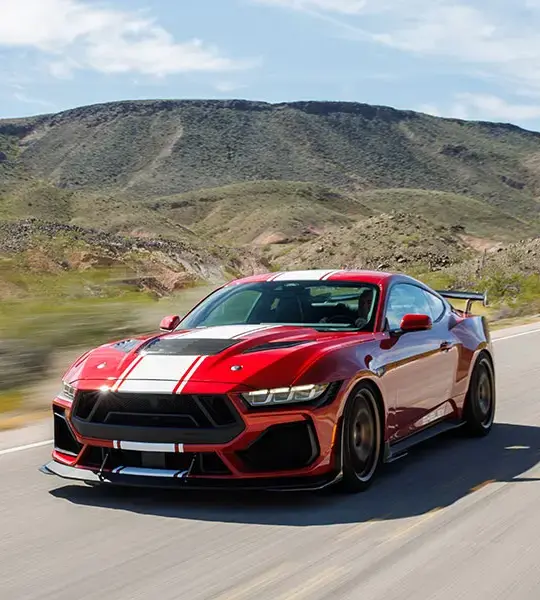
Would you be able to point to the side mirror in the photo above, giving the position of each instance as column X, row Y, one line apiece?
column 413, row 322
column 169, row 323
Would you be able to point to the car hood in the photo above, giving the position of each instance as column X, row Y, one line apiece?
column 245, row 357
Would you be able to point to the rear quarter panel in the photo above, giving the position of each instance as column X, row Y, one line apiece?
column 473, row 337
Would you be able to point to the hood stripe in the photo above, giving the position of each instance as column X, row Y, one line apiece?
column 222, row 332
column 156, row 373
column 125, row 374
column 182, row 384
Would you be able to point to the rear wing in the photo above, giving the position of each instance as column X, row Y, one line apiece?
column 469, row 296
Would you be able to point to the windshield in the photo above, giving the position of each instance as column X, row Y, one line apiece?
column 324, row 305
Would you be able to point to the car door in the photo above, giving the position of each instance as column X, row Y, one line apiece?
column 412, row 361
column 449, row 360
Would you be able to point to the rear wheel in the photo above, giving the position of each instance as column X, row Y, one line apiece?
column 362, row 440
column 479, row 410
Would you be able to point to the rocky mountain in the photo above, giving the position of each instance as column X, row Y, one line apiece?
column 145, row 149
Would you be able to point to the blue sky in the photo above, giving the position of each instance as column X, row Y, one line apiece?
column 473, row 59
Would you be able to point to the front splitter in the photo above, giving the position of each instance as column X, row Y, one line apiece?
column 152, row 479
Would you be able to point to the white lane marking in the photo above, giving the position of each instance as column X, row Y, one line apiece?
column 46, row 442
column 515, row 335
column 26, row 447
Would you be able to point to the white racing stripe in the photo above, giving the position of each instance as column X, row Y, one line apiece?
column 182, row 384
column 313, row 275
column 150, row 386
column 328, row 275
column 147, row 446
column 221, row 332
column 157, row 374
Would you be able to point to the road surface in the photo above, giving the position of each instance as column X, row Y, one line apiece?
column 459, row 519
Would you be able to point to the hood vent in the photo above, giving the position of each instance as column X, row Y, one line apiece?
column 188, row 347
column 275, row 346
column 126, row 345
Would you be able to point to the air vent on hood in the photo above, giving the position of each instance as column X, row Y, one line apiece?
column 188, row 347
column 126, row 345
column 275, row 346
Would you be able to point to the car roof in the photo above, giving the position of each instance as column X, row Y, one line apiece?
column 338, row 275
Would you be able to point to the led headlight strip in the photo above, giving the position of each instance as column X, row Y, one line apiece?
column 286, row 395
column 67, row 392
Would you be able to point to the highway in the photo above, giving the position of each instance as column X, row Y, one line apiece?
column 457, row 519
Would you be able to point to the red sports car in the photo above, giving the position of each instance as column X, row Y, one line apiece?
column 283, row 381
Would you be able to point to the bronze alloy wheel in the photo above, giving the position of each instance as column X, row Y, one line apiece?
column 361, row 440
column 479, row 410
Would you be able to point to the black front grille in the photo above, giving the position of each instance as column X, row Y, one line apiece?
column 158, row 410
column 156, row 417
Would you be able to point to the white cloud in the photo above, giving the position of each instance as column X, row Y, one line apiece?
column 498, row 35
column 339, row 6
column 24, row 98
column 485, row 107
column 89, row 35
column 226, row 87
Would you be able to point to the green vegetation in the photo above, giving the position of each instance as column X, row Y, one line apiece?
column 54, row 313
column 475, row 216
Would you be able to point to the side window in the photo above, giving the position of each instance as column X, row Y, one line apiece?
column 405, row 299
column 436, row 305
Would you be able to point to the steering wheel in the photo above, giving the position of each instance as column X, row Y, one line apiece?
column 338, row 319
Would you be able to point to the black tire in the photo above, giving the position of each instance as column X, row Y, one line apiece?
column 361, row 441
column 480, row 402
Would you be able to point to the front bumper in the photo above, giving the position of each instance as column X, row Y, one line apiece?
column 283, row 449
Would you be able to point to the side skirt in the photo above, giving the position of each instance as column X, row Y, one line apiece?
column 393, row 452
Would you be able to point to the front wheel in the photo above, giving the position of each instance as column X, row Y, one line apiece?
column 479, row 410
column 361, row 441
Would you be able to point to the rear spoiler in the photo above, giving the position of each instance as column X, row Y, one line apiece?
column 469, row 296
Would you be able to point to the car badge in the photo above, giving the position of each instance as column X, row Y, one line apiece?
column 236, row 368
column 102, row 365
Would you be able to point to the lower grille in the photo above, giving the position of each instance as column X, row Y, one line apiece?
column 204, row 463
column 282, row 448
column 176, row 418
column 64, row 440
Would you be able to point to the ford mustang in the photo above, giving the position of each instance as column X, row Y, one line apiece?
column 282, row 381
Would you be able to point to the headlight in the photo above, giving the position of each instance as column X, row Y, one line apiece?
column 299, row 393
column 67, row 392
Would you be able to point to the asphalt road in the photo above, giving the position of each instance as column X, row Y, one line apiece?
column 458, row 519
